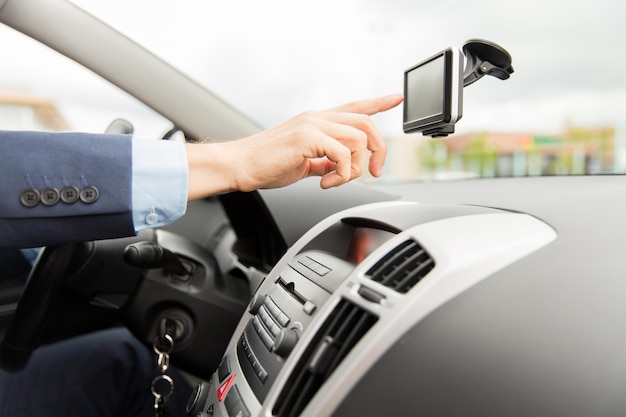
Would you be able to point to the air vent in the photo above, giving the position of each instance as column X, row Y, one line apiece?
column 345, row 326
column 402, row 267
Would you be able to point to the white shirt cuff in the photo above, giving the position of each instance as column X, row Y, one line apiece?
column 159, row 182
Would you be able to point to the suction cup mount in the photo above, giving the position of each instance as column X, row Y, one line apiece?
column 485, row 58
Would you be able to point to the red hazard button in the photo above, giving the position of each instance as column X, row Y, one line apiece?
column 223, row 389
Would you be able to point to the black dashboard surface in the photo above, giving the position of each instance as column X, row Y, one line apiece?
column 543, row 336
column 580, row 204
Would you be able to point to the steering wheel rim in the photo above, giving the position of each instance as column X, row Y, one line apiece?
column 53, row 265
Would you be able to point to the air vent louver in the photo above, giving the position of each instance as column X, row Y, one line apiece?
column 402, row 267
column 343, row 328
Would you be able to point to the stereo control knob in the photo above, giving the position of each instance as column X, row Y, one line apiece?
column 198, row 398
column 256, row 303
column 285, row 342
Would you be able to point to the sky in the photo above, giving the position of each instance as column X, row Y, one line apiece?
column 276, row 58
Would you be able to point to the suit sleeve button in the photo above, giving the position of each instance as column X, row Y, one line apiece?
column 89, row 194
column 50, row 196
column 30, row 197
column 69, row 194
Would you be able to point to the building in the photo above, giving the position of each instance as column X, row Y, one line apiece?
column 577, row 151
column 23, row 111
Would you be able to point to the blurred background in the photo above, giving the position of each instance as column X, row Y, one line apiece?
column 560, row 113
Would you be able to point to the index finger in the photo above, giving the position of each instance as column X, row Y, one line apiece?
column 371, row 106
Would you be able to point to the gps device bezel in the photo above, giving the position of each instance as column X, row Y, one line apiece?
column 451, row 95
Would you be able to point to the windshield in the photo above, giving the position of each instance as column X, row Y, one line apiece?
column 560, row 112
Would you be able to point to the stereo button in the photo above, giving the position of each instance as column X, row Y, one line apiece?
column 234, row 404
column 232, row 398
column 256, row 302
column 309, row 307
column 197, row 399
column 276, row 312
column 285, row 342
column 266, row 338
column 224, row 370
column 239, row 410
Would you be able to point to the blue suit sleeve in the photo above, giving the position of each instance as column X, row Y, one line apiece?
column 73, row 187
column 64, row 187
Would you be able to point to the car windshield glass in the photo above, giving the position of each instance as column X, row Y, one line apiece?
column 561, row 112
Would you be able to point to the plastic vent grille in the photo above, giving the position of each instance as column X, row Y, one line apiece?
column 403, row 267
column 345, row 326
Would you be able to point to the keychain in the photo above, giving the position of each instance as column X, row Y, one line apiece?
column 163, row 385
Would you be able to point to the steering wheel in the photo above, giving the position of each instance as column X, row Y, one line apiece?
column 72, row 289
column 53, row 264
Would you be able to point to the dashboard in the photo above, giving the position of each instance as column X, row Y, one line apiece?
column 351, row 288
column 488, row 297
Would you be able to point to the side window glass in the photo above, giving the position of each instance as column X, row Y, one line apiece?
column 43, row 90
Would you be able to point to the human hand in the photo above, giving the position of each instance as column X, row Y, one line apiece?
column 335, row 144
